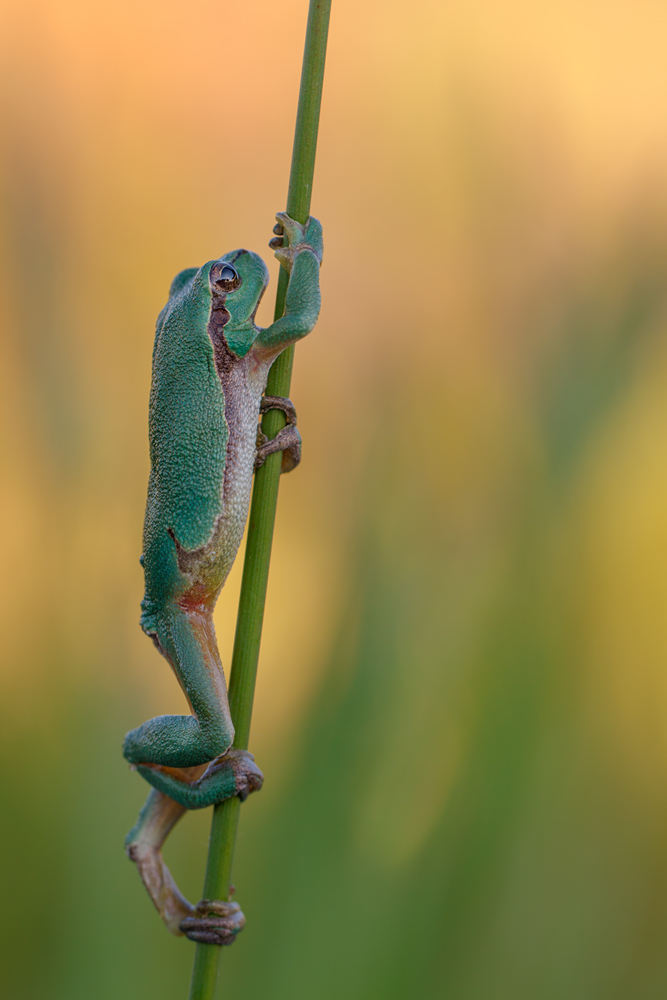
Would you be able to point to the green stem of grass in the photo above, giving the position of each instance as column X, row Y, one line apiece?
column 264, row 502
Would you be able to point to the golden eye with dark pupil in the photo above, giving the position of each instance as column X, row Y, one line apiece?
column 226, row 277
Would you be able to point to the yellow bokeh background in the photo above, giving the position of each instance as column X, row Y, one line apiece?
column 462, row 699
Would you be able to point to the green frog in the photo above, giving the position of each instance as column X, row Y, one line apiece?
column 210, row 366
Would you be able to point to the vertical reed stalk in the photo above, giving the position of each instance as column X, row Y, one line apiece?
column 264, row 501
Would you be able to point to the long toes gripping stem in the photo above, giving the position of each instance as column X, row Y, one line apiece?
column 287, row 440
column 216, row 922
column 281, row 403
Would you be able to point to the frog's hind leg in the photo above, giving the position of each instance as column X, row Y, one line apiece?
column 186, row 637
column 143, row 845
column 210, row 921
column 234, row 773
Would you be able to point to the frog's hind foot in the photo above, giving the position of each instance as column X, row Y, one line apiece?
column 215, row 922
column 288, row 440
column 234, row 773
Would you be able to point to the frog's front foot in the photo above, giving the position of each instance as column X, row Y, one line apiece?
column 287, row 440
column 234, row 773
column 306, row 236
column 215, row 922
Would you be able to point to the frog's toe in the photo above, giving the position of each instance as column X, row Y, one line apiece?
column 290, row 226
column 277, row 240
column 287, row 440
column 248, row 776
column 215, row 922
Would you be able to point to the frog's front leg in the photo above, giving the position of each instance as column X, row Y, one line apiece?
column 211, row 921
column 302, row 257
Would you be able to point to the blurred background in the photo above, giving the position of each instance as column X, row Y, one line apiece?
column 462, row 701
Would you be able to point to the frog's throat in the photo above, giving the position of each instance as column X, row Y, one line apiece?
column 227, row 366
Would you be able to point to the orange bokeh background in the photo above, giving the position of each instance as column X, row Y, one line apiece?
column 481, row 508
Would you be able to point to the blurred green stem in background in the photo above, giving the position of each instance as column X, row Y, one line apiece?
column 264, row 502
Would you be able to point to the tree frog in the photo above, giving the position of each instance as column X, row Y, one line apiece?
column 210, row 367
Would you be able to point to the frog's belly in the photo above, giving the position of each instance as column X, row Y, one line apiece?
column 209, row 566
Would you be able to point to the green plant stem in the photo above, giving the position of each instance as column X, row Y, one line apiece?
column 264, row 501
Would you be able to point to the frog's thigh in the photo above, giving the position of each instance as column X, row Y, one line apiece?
column 188, row 641
column 196, row 660
column 144, row 846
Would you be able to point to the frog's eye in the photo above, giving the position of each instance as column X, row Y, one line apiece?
column 225, row 277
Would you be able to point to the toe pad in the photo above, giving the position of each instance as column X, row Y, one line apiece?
column 216, row 922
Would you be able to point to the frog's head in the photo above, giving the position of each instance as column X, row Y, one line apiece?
column 238, row 281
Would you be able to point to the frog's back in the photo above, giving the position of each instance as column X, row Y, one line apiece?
column 188, row 438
